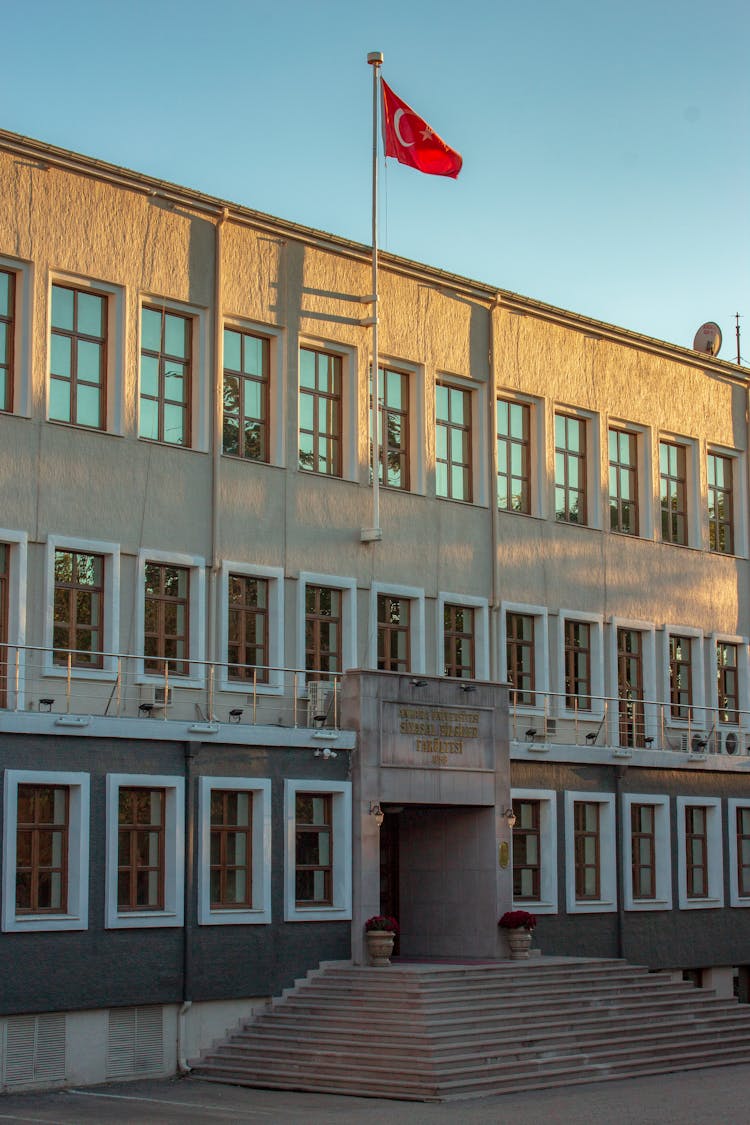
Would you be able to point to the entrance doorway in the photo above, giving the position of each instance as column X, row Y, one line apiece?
column 389, row 870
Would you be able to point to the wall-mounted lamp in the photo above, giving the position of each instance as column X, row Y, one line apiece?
column 648, row 741
column 236, row 714
column 511, row 817
column 143, row 709
column 468, row 687
column 531, row 733
column 46, row 704
column 325, row 753
column 418, row 683
column 377, row 812
column 591, row 737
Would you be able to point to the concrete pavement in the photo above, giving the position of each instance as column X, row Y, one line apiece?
column 718, row 1096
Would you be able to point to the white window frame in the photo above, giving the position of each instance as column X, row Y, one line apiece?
column 662, row 899
column 22, row 336
column 699, row 718
column 349, row 407
column 596, row 621
column 200, row 392
column 739, row 500
column 650, row 703
column 174, row 852
column 695, row 525
column 17, row 541
column 743, row 683
column 260, row 911
column 644, row 454
column 115, row 344
column 196, row 564
column 341, row 908
column 415, row 595
column 348, row 588
column 715, row 867
column 541, row 653
column 276, row 384
column 110, row 606
column 592, row 422
column 415, row 376
column 274, row 575
column 607, row 901
column 76, row 916
column 481, row 631
column 537, row 444
column 547, row 903
column 733, row 804
column 478, row 436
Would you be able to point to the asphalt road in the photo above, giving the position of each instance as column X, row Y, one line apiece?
column 719, row 1096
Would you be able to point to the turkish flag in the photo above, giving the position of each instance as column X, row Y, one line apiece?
column 410, row 139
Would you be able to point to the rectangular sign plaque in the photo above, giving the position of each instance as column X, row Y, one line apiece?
column 436, row 737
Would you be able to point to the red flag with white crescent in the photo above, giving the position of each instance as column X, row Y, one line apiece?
column 410, row 139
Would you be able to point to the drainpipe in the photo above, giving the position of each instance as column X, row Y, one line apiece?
column 494, row 637
column 183, row 1066
column 620, row 773
column 216, row 445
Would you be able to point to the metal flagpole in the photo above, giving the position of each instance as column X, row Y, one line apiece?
column 374, row 533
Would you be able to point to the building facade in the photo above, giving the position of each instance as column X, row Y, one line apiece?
column 217, row 673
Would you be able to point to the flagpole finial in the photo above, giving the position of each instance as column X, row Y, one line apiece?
column 375, row 58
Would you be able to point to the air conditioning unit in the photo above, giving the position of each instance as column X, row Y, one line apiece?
column 318, row 693
column 728, row 742
column 550, row 727
column 157, row 697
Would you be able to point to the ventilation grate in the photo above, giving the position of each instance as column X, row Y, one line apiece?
column 35, row 1049
column 135, row 1041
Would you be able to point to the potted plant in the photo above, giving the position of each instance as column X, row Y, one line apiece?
column 519, row 924
column 380, row 934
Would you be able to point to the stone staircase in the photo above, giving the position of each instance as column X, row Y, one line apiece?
column 435, row 1032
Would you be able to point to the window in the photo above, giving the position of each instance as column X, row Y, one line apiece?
column 234, row 886
column 680, row 677
column 513, row 456
column 699, row 852
column 590, row 855
column 720, row 504
column 394, row 633
column 393, row 428
column 459, row 648
column 453, row 442
column 313, row 849
column 246, row 398
column 520, row 644
column 570, row 469
column 587, row 858
column 7, row 336
column 738, row 814
column 145, row 851
column 78, row 357
column 673, row 492
column 526, row 851
column 140, row 849
column 318, row 850
column 534, row 842
column 632, row 725
column 577, row 665
column 166, row 618
column 248, row 628
column 646, row 852
column 320, row 412
column 79, row 609
column 45, row 851
column 727, row 682
column 623, row 481
column 323, row 631
column 166, row 376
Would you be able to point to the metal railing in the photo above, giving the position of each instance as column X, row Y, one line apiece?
column 120, row 685
column 627, row 724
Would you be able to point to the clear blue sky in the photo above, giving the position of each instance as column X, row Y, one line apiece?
column 606, row 144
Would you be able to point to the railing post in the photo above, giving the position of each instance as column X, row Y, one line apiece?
column 68, row 680
column 255, row 693
column 210, row 715
column 17, row 676
column 294, row 703
column 166, row 688
column 118, row 687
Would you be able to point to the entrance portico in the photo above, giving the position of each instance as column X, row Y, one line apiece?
column 433, row 754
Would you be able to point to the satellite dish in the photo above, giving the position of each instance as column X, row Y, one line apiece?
column 708, row 338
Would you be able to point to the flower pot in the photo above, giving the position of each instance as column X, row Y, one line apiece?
column 380, row 946
column 519, row 941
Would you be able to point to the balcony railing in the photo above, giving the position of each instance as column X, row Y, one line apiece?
column 627, row 725
column 121, row 685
